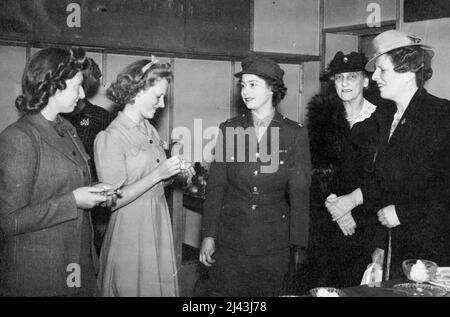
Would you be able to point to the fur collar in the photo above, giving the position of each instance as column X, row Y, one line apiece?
column 327, row 124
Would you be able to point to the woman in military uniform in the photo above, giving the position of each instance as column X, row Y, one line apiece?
column 257, row 199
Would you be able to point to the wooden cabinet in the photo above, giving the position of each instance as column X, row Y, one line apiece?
column 288, row 26
column 217, row 25
column 179, row 26
column 155, row 24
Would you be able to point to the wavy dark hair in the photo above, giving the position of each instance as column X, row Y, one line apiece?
column 277, row 87
column 91, row 78
column 45, row 73
column 412, row 59
column 135, row 78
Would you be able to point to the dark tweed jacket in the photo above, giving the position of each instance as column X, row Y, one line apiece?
column 252, row 211
column 42, row 229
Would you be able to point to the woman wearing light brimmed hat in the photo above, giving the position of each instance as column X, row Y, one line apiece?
column 410, row 189
column 253, row 215
column 344, row 129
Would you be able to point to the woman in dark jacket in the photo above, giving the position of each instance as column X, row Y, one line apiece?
column 257, row 198
column 89, row 119
column 47, row 247
column 344, row 130
column 410, row 189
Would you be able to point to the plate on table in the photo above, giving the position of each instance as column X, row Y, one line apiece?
column 442, row 278
column 424, row 290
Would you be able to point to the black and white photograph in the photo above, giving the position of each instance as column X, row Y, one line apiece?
column 229, row 155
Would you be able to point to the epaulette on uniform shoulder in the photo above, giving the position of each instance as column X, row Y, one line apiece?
column 292, row 122
column 236, row 119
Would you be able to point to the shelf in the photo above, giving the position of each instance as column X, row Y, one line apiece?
column 362, row 29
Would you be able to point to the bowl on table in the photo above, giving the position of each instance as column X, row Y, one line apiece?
column 326, row 292
column 420, row 272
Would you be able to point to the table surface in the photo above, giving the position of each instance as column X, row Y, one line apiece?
column 383, row 290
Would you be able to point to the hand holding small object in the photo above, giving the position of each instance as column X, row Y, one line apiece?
column 88, row 197
column 169, row 167
column 111, row 192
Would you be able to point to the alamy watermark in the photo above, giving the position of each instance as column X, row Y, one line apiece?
column 234, row 144
column 374, row 18
column 74, row 277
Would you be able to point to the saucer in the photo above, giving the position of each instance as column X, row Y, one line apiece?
column 422, row 290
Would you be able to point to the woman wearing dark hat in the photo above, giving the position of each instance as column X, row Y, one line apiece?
column 343, row 127
column 257, row 198
column 410, row 190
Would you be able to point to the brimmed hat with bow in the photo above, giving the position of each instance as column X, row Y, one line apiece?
column 391, row 40
column 341, row 63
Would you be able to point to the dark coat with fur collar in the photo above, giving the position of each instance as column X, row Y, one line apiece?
column 341, row 158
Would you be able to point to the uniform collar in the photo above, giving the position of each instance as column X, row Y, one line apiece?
column 265, row 121
column 275, row 119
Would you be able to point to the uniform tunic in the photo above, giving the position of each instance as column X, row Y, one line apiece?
column 137, row 256
column 256, row 208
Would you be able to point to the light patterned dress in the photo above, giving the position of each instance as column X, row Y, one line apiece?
column 137, row 256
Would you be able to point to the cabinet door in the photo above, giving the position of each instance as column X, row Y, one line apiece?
column 218, row 26
column 201, row 102
column 154, row 24
column 12, row 62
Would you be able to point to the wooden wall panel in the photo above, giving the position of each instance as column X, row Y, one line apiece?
column 12, row 63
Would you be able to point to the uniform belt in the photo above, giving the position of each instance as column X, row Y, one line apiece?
column 259, row 198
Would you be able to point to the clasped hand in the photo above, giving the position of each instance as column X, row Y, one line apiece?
column 387, row 216
column 340, row 209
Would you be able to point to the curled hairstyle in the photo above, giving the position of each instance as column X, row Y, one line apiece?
column 91, row 78
column 278, row 88
column 45, row 73
column 136, row 77
column 412, row 59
